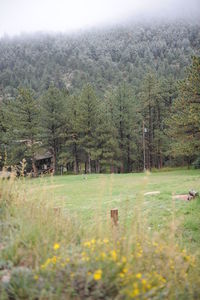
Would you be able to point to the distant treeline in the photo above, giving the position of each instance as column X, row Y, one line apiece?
column 133, row 114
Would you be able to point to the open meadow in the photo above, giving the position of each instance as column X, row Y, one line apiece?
column 57, row 240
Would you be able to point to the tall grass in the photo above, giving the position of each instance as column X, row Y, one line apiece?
column 49, row 253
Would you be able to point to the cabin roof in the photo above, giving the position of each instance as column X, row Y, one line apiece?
column 43, row 156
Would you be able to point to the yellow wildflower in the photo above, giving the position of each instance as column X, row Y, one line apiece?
column 122, row 274
column 163, row 279
column 54, row 259
column 103, row 255
column 85, row 258
column 138, row 275
column 149, row 286
column 63, row 265
column 113, row 255
column 125, row 270
column 135, row 293
column 43, row 266
column 187, row 257
column 47, row 262
column 97, row 275
column 36, row 277
column 56, row 246
column 105, row 241
column 144, row 282
column 87, row 244
column 139, row 254
column 135, row 285
column 124, row 259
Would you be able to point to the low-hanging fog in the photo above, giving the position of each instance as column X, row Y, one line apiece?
column 66, row 15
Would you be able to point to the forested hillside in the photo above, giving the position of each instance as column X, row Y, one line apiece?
column 106, row 100
column 104, row 58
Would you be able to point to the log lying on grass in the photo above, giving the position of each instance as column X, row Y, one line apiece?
column 191, row 195
column 152, row 193
column 180, row 197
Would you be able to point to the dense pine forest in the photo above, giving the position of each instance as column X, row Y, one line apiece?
column 119, row 100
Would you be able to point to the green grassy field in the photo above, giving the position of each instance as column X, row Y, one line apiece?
column 152, row 254
column 94, row 195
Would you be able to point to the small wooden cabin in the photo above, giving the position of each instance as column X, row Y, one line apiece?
column 44, row 163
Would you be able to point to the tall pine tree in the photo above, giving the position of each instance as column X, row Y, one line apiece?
column 184, row 122
column 52, row 122
column 23, row 127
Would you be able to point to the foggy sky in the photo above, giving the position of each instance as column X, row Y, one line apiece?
column 17, row 16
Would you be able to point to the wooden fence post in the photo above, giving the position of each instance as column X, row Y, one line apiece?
column 57, row 210
column 114, row 216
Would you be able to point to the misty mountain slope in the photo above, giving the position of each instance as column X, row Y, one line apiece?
column 104, row 57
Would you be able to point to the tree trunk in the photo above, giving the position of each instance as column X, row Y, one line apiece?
column 97, row 166
column 160, row 160
column 112, row 169
column 75, row 160
column 54, row 162
column 121, row 138
column 128, row 154
column 150, row 138
column 188, row 162
column 54, row 153
column 159, row 141
column 89, row 164
column 35, row 170
column 75, row 165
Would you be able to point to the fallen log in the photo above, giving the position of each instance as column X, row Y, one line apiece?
column 152, row 193
column 191, row 195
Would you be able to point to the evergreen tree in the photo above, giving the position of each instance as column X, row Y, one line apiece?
column 106, row 145
column 151, row 106
column 2, row 135
column 184, row 122
column 23, row 126
column 71, row 152
column 125, row 122
column 52, row 122
column 87, row 124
